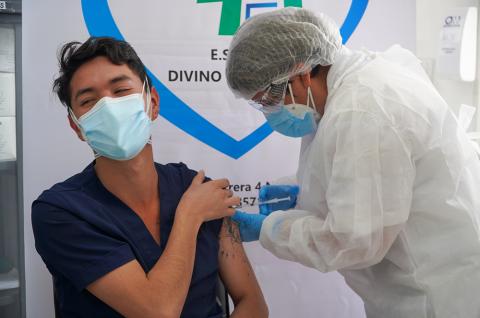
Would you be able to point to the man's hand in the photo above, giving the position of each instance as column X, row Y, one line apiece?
column 269, row 192
column 249, row 225
column 207, row 201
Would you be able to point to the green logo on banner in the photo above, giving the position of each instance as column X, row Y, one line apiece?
column 231, row 11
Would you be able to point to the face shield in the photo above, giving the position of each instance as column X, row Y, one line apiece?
column 272, row 99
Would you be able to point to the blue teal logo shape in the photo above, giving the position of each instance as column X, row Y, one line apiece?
column 232, row 10
column 100, row 22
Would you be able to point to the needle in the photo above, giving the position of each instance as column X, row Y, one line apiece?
column 271, row 201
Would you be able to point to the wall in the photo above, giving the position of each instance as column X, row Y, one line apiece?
column 429, row 20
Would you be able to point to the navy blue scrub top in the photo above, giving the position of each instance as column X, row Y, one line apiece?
column 82, row 232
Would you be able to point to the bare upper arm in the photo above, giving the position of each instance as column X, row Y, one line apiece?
column 235, row 269
column 123, row 289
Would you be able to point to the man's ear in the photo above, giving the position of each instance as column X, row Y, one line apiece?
column 154, row 102
column 75, row 128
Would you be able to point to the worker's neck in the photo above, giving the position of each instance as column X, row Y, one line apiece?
column 133, row 181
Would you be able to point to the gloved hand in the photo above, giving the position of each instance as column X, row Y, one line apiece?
column 249, row 225
column 273, row 191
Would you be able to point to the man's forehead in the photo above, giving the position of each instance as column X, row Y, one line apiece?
column 102, row 67
column 101, row 71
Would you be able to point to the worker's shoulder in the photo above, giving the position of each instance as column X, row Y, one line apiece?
column 393, row 91
column 395, row 75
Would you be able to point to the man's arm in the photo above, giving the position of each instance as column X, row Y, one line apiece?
column 238, row 276
column 162, row 292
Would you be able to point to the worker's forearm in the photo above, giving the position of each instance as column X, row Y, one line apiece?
column 169, row 280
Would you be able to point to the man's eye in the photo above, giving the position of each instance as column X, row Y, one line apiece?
column 86, row 102
column 122, row 90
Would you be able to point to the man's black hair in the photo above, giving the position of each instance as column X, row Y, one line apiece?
column 74, row 54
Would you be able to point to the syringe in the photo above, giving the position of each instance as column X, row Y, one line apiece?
column 270, row 201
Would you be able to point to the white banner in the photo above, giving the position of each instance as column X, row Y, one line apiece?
column 183, row 44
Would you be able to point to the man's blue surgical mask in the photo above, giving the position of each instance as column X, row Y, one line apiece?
column 295, row 120
column 117, row 128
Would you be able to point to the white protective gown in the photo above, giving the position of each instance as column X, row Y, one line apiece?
column 390, row 193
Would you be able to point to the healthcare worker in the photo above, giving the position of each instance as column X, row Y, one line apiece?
column 389, row 180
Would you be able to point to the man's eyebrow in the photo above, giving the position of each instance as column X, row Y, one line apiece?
column 120, row 78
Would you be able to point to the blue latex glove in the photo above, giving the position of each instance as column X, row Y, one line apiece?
column 272, row 191
column 249, row 225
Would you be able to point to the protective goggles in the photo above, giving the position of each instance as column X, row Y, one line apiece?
column 272, row 98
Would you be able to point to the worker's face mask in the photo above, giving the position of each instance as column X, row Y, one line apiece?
column 295, row 120
column 117, row 128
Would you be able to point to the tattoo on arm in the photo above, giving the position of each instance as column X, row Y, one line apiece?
column 231, row 230
column 232, row 234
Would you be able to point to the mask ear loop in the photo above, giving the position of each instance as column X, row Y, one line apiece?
column 314, row 108
column 310, row 97
column 75, row 120
column 149, row 110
